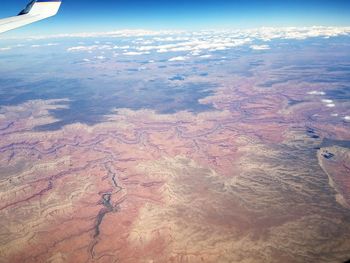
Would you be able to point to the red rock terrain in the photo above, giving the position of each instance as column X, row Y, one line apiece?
column 336, row 163
column 239, row 184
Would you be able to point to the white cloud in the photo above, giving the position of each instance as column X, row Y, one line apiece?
column 133, row 53
column 44, row 45
column 260, row 47
column 196, row 43
column 347, row 118
column 121, row 47
column 315, row 92
column 78, row 48
column 5, row 48
column 196, row 53
column 180, row 58
column 206, row 56
column 327, row 101
column 269, row 33
column 89, row 48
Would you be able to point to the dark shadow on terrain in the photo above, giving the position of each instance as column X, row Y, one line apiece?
column 91, row 101
column 342, row 93
column 329, row 143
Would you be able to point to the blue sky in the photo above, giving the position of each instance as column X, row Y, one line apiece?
column 104, row 15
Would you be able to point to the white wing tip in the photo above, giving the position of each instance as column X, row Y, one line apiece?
column 42, row 8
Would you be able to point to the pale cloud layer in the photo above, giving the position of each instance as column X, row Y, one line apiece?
column 197, row 43
column 200, row 43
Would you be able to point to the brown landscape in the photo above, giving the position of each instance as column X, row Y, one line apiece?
column 250, row 181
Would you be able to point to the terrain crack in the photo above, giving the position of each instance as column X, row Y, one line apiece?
column 108, row 205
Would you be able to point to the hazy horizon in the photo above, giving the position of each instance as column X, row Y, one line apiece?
column 79, row 16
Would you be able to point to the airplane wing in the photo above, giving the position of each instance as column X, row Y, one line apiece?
column 36, row 10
